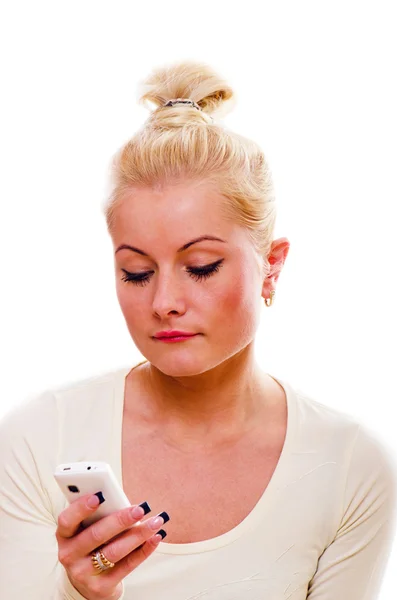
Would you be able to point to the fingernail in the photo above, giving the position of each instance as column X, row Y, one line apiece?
column 165, row 516
column 100, row 496
column 162, row 533
column 137, row 512
column 141, row 510
column 93, row 501
column 145, row 507
column 159, row 520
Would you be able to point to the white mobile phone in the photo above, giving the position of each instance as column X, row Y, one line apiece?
column 92, row 477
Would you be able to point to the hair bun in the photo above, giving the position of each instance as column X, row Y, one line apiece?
column 196, row 81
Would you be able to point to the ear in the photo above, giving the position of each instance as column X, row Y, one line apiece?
column 276, row 257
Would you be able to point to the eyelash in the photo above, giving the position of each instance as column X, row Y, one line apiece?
column 198, row 274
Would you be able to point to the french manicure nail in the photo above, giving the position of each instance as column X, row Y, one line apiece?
column 93, row 501
column 165, row 516
column 156, row 522
column 162, row 533
column 145, row 507
column 100, row 496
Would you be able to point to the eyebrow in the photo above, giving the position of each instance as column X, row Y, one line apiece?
column 184, row 247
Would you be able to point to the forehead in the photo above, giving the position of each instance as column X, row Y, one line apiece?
column 174, row 209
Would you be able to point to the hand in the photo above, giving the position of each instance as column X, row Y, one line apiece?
column 127, row 549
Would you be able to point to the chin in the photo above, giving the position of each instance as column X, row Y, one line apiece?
column 179, row 364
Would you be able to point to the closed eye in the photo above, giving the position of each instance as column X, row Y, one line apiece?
column 198, row 273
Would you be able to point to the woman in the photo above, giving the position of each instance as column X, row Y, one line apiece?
column 268, row 493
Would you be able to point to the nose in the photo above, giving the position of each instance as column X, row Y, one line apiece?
column 168, row 296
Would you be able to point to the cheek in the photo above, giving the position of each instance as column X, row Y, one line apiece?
column 131, row 304
column 245, row 302
column 221, row 300
column 233, row 298
column 236, row 302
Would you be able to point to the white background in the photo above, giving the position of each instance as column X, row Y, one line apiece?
column 315, row 84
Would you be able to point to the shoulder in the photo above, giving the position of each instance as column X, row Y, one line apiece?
column 320, row 424
column 370, row 485
column 92, row 388
column 91, row 382
column 40, row 411
column 343, row 435
column 355, row 467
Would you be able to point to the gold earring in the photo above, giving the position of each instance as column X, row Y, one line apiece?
column 269, row 301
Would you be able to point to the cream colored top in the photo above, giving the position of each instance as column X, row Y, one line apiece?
column 323, row 528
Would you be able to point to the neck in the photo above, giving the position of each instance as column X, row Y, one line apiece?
column 222, row 403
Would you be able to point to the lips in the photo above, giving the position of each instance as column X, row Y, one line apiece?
column 174, row 339
column 173, row 334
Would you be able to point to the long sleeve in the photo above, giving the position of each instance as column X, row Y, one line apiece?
column 353, row 565
column 29, row 566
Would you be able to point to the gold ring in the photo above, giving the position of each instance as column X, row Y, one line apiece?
column 100, row 562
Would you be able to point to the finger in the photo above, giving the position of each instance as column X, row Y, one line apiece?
column 107, row 528
column 119, row 548
column 111, row 577
column 69, row 520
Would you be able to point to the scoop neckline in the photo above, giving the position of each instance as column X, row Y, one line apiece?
column 253, row 518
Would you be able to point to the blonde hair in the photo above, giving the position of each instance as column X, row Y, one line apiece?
column 180, row 143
